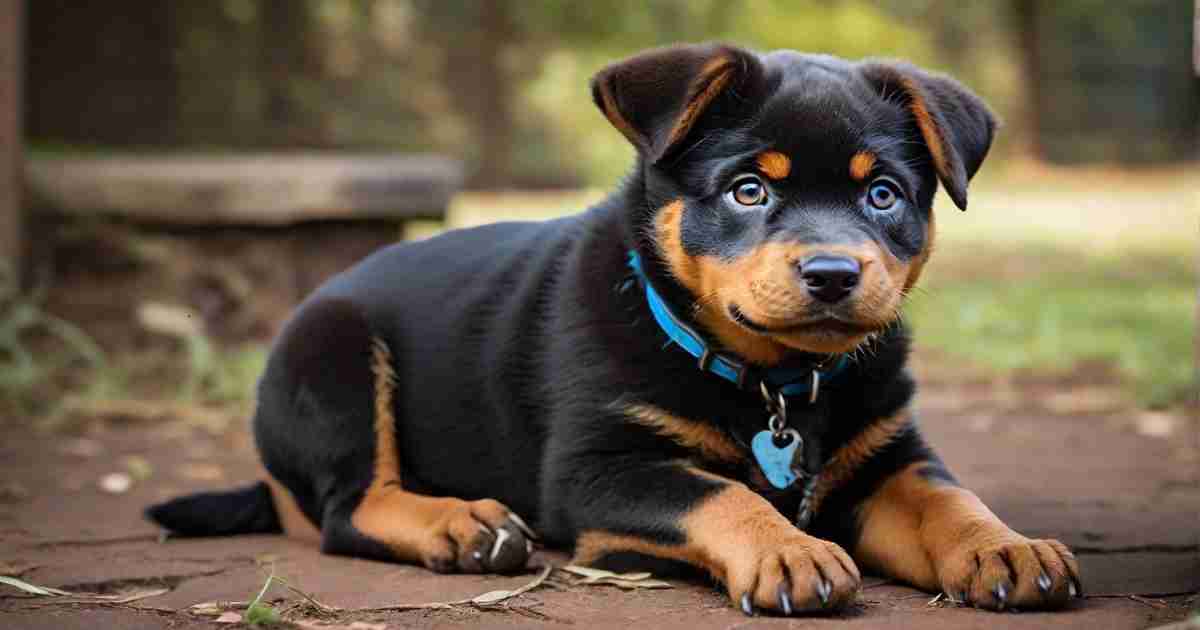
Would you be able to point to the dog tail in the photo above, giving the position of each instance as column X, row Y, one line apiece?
column 245, row 510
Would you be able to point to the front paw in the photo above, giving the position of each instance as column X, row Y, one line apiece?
column 803, row 574
column 1016, row 572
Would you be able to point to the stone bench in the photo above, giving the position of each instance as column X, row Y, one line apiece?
column 247, row 190
column 238, row 240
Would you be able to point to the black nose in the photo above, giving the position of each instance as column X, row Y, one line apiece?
column 830, row 278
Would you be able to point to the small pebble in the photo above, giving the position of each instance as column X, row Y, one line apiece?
column 116, row 483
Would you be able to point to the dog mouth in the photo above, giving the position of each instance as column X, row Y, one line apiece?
column 828, row 323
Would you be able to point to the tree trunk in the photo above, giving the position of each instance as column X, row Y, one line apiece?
column 493, row 116
column 12, row 242
column 1029, row 51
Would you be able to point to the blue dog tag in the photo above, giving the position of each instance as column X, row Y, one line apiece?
column 776, row 461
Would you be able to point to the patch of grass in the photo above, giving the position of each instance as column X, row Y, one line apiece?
column 26, row 368
column 1044, row 309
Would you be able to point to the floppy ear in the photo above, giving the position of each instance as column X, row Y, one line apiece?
column 657, row 98
column 956, row 125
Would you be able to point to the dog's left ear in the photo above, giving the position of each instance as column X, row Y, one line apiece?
column 956, row 125
column 658, row 98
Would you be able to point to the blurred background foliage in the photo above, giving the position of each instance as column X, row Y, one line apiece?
column 503, row 84
column 1076, row 262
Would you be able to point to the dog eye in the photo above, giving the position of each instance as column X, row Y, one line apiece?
column 749, row 191
column 883, row 194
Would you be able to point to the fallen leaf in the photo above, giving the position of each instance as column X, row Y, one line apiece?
column 228, row 617
column 32, row 589
column 16, row 569
column 592, row 573
column 139, row 467
column 133, row 596
column 169, row 319
column 214, row 608
column 116, row 483
column 13, row 492
column 1156, row 424
column 635, row 584
column 627, row 581
column 491, row 597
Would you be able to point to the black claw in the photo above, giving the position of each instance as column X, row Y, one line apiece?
column 1076, row 588
column 1043, row 583
column 1001, row 593
column 823, row 590
column 785, row 599
column 747, row 607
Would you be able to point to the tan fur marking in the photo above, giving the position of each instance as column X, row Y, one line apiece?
column 403, row 521
column 726, row 528
column 411, row 525
column 764, row 285
column 851, row 456
column 861, row 165
column 929, row 130
column 774, row 164
column 593, row 545
column 387, row 462
column 918, row 261
column 706, row 87
column 891, row 535
column 294, row 522
column 910, row 522
column 614, row 116
column 708, row 441
column 704, row 283
column 940, row 537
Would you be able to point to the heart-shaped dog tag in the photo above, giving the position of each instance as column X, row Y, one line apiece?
column 775, row 460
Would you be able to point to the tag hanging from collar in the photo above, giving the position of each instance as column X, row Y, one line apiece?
column 779, row 451
column 776, row 447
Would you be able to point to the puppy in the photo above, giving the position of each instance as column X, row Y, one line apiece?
column 705, row 370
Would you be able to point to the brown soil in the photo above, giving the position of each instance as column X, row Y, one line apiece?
column 1127, row 503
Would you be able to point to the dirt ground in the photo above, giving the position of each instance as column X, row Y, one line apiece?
column 1109, row 483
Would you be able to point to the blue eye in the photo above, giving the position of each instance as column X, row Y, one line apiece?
column 884, row 193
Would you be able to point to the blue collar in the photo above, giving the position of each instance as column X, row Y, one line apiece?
column 789, row 382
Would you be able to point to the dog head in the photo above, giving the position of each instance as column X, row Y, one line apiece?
column 790, row 195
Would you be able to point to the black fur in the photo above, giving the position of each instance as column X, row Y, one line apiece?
column 517, row 345
column 246, row 510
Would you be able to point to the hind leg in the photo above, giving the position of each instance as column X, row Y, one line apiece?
column 445, row 534
column 327, row 431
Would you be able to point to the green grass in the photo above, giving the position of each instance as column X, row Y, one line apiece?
column 1069, row 309
column 1047, row 274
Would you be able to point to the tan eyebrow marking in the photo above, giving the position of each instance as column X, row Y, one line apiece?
column 774, row 164
column 861, row 164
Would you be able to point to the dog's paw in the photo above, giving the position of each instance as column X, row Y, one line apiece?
column 803, row 574
column 480, row 537
column 1017, row 572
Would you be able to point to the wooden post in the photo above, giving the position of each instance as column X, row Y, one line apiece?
column 1196, row 38
column 12, row 149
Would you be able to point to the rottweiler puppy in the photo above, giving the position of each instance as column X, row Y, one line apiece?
column 707, row 369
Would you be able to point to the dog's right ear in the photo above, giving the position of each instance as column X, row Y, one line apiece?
column 657, row 98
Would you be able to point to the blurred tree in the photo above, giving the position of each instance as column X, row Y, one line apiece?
column 98, row 76
column 503, row 83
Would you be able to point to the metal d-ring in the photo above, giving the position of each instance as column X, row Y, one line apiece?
column 777, row 407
